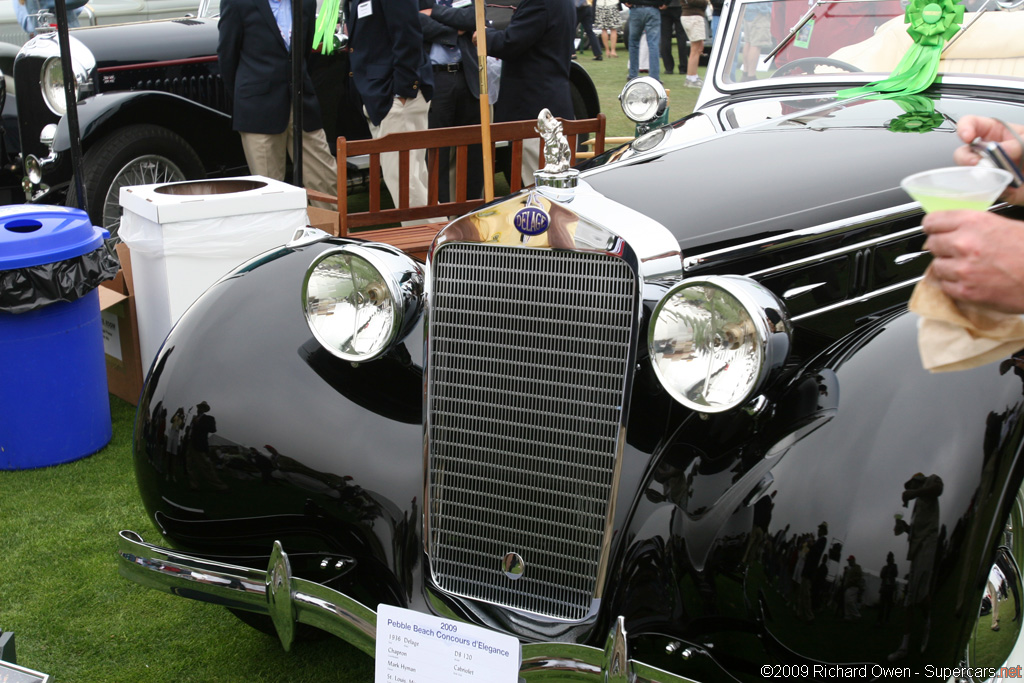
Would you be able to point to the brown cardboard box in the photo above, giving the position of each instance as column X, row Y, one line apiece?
column 121, row 332
column 324, row 219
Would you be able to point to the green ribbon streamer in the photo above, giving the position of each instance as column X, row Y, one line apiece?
column 326, row 23
column 932, row 23
column 920, row 116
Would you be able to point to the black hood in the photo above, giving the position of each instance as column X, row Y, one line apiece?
column 790, row 172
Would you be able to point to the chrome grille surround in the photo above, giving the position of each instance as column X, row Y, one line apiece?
column 590, row 236
column 529, row 359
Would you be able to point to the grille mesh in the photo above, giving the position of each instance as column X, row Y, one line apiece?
column 529, row 352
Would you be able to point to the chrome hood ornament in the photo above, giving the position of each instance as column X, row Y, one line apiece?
column 557, row 155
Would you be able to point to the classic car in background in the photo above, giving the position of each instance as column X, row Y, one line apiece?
column 102, row 12
column 682, row 433
column 152, row 108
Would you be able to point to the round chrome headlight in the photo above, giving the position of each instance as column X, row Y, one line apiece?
column 359, row 300
column 714, row 340
column 643, row 99
column 52, row 84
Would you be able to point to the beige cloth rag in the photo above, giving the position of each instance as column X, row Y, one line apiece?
column 959, row 336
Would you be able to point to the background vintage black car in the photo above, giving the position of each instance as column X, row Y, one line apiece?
column 528, row 420
column 152, row 108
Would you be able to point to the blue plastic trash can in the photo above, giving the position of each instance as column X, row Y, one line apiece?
column 54, row 406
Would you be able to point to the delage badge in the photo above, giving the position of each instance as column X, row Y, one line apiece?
column 532, row 219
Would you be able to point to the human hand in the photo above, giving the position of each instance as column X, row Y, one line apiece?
column 970, row 128
column 979, row 257
column 427, row 11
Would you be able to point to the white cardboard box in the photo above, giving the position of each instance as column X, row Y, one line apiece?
column 192, row 200
column 184, row 237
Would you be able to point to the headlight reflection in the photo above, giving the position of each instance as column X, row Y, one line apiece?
column 358, row 300
column 713, row 341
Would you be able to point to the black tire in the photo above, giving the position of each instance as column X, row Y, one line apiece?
column 140, row 154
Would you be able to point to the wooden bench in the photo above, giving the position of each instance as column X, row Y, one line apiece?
column 420, row 224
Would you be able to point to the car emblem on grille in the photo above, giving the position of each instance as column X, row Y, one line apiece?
column 513, row 566
column 531, row 220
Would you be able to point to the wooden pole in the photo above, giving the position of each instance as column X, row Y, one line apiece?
column 485, row 101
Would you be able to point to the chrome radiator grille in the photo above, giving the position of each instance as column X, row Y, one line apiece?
column 529, row 354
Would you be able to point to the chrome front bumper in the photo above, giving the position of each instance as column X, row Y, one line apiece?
column 288, row 600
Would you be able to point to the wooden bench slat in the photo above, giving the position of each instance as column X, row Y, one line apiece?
column 416, row 238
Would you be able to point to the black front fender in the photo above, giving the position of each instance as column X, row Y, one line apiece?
column 720, row 532
column 207, row 130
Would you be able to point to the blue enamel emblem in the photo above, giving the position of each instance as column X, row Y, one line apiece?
column 531, row 220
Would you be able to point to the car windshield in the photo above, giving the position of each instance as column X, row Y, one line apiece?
column 859, row 40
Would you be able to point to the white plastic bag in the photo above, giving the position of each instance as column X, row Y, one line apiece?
column 211, row 237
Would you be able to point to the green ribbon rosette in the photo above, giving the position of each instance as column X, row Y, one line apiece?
column 932, row 23
column 919, row 117
column 326, row 23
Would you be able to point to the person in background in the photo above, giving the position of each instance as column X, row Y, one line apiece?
column 26, row 12
column 607, row 21
column 671, row 26
column 253, row 50
column 757, row 35
column 393, row 75
column 448, row 31
column 694, row 21
column 645, row 19
column 536, row 51
column 978, row 255
column 716, row 16
column 585, row 18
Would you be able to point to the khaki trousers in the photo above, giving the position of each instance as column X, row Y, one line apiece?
column 412, row 115
column 266, row 154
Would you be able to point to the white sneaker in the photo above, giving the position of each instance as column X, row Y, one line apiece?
column 694, row 82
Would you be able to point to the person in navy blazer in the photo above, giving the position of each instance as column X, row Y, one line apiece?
column 448, row 27
column 255, row 64
column 536, row 51
column 392, row 73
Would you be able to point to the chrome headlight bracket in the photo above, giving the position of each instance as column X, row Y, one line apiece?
column 715, row 340
column 360, row 300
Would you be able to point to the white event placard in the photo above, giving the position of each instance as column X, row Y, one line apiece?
column 422, row 648
column 111, row 335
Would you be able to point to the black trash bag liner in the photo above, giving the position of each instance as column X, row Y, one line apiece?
column 29, row 289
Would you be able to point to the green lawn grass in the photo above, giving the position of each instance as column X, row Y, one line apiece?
column 76, row 619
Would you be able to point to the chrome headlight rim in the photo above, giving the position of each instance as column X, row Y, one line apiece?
column 652, row 95
column 771, row 328
column 403, row 280
column 53, row 95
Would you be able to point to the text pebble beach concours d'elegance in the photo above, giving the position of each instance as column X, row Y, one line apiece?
column 877, row 671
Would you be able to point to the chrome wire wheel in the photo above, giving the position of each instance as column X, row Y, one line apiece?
column 146, row 170
column 140, row 154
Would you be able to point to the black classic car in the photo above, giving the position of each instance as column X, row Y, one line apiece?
column 152, row 108
column 661, row 417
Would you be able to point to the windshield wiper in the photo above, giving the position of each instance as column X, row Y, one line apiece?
column 793, row 31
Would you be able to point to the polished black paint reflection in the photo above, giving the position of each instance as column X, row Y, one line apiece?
column 717, row 533
column 327, row 456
